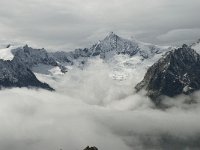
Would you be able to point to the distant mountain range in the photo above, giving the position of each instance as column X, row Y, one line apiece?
column 173, row 70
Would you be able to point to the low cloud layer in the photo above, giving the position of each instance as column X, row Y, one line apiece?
column 69, row 24
column 90, row 108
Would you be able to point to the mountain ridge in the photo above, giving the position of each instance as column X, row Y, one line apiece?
column 13, row 73
column 107, row 50
column 176, row 73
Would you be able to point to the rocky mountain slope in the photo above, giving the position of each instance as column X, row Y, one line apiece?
column 33, row 57
column 176, row 73
column 13, row 73
column 111, row 45
column 122, row 55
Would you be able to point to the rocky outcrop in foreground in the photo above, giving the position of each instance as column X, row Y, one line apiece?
column 91, row 148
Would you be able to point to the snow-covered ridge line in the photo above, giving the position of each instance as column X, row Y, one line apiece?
column 124, row 56
column 112, row 44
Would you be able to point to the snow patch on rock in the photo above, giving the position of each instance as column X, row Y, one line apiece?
column 6, row 53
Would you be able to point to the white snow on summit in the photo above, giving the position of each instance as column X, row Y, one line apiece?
column 6, row 53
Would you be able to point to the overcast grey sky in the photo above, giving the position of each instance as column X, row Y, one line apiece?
column 69, row 24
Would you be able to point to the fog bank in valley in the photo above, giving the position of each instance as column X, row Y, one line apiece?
column 90, row 108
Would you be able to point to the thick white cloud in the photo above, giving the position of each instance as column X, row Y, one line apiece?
column 89, row 108
column 68, row 24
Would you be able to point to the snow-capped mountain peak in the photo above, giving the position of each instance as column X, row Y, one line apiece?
column 113, row 44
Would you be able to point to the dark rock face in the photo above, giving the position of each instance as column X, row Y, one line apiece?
column 15, row 74
column 8, row 46
column 32, row 57
column 91, row 148
column 176, row 73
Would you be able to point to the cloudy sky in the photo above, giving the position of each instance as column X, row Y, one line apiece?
column 69, row 24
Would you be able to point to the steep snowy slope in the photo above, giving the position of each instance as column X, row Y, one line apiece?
column 113, row 44
column 124, row 55
column 129, row 56
column 110, row 46
column 124, row 66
